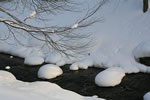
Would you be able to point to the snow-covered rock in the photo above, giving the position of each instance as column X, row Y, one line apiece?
column 85, row 64
column 110, row 77
column 74, row 67
column 49, row 71
column 7, row 67
column 34, row 60
column 147, row 96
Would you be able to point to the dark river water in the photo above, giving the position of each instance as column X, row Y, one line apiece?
column 133, row 86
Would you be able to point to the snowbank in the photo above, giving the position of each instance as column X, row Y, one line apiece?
column 49, row 71
column 120, row 37
column 12, row 89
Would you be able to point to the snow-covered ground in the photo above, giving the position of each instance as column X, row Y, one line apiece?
column 12, row 89
column 120, row 39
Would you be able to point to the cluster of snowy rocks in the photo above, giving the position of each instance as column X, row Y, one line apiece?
column 109, row 77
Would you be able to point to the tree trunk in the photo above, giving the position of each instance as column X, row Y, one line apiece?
column 145, row 5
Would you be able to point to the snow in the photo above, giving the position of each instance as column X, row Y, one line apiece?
column 49, row 71
column 74, row 67
column 142, row 50
column 120, row 37
column 74, row 26
column 34, row 60
column 147, row 96
column 120, row 40
column 81, row 65
column 11, row 57
column 12, row 89
column 6, row 76
column 7, row 67
column 53, row 57
column 32, row 14
column 110, row 77
column 61, row 63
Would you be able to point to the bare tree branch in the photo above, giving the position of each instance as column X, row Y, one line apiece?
column 66, row 34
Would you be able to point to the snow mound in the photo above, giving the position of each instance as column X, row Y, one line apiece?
column 110, row 77
column 84, row 64
column 49, row 71
column 147, row 96
column 53, row 57
column 34, row 60
column 74, row 66
column 6, row 76
column 18, row 90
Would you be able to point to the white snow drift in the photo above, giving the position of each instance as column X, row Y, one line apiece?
column 49, row 71
column 12, row 89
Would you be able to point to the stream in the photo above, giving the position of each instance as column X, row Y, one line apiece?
column 133, row 86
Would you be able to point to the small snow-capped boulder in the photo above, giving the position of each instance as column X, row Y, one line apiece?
column 110, row 77
column 83, row 64
column 49, row 71
column 74, row 67
column 147, row 96
column 34, row 60
column 7, row 67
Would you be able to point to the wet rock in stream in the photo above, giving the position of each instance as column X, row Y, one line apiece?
column 133, row 86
